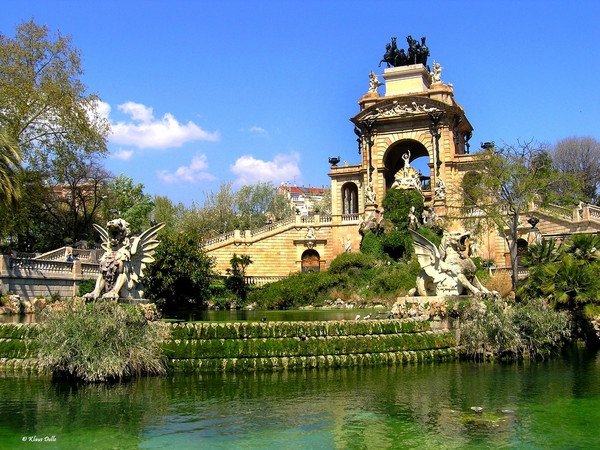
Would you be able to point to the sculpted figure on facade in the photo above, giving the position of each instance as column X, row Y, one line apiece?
column 124, row 260
column 413, row 220
column 449, row 270
column 370, row 194
column 436, row 74
column 374, row 82
column 440, row 189
column 408, row 177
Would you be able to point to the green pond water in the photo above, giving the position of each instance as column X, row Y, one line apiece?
column 552, row 404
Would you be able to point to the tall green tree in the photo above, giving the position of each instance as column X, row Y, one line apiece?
column 45, row 107
column 510, row 180
column 128, row 201
column 180, row 277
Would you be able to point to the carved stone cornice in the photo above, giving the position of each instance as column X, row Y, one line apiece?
column 396, row 108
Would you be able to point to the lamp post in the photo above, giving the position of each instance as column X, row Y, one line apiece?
column 365, row 132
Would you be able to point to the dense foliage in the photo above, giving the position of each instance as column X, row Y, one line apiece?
column 235, row 281
column 101, row 342
column 508, row 182
column 353, row 277
column 566, row 275
column 181, row 275
column 493, row 329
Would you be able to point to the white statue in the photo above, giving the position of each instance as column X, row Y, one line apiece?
column 436, row 75
column 440, row 189
column 348, row 245
column 370, row 194
column 310, row 233
column 449, row 270
column 374, row 82
column 413, row 220
column 124, row 260
column 408, row 177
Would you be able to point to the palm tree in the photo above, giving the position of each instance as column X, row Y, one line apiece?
column 10, row 167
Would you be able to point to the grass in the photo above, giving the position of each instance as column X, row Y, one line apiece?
column 101, row 342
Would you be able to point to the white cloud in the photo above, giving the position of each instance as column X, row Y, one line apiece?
column 193, row 173
column 146, row 131
column 257, row 130
column 102, row 109
column 137, row 111
column 250, row 170
column 123, row 155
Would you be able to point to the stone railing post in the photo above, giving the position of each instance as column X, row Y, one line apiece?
column 585, row 212
column 76, row 270
column 4, row 265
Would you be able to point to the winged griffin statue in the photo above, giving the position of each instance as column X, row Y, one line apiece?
column 124, row 260
column 449, row 270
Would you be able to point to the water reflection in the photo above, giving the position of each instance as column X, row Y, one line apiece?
column 554, row 404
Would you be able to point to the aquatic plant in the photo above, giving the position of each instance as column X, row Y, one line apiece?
column 101, row 341
column 494, row 329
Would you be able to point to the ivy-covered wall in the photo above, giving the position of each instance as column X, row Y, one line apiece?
column 243, row 346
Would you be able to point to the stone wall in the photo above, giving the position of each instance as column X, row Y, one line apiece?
column 30, row 278
column 250, row 346
column 277, row 249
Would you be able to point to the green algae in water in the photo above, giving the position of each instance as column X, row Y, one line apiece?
column 552, row 404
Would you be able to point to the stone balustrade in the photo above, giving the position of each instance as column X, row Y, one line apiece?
column 30, row 278
column 243, row 236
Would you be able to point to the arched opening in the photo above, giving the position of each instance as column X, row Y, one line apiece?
column 311, row 261
column 349, row 198
column 393, row 161
column 522, row 245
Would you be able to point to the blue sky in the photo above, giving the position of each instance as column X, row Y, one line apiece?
column 205, row 92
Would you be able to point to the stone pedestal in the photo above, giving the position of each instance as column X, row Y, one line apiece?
column 406, row 80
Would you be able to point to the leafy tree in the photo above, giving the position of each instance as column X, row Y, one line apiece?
column 323, row 206
column 235, row 281
column 511, row 179
column 10, row 163
column 44, row 105
column 128, row 201
column 253, row 202
column 580, row 157
column 181, row 274
column 168, row 213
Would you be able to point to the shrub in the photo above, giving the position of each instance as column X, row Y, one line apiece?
column 372, row 245
column 101, row 341
column 397, row 244
column 86, row 286
column 486, row 332
column 344, row 261
column 397, row 204
column 181, row 275
column 297, row 290
column 396, row 279
column 499, row 281
column 542, row 330
column 491, row 329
